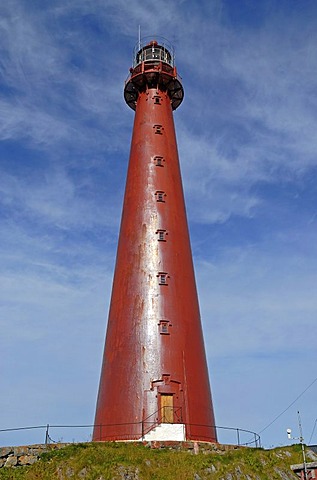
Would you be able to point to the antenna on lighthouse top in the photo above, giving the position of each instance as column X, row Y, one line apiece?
column 139, row 37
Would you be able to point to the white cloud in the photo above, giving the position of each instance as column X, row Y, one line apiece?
column 57, row 199
column 50, row 100
column 257, row 301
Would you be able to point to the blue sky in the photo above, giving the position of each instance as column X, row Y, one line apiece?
column 247, row 144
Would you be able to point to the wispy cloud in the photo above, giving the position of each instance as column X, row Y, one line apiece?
column 262, row 298
column 248, row 114
column 49, row 99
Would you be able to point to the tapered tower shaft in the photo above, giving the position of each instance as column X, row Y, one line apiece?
column 154, row 380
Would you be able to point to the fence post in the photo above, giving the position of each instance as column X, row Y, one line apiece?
column 47, row 437
column 238, row 434
column 142, row 426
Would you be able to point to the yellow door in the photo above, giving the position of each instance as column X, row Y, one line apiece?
column 167, row 409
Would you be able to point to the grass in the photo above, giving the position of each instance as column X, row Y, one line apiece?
column 116, row 461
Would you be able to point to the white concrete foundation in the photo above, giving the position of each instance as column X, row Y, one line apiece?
column 166, row 432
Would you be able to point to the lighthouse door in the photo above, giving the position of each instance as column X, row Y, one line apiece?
column 167, row 410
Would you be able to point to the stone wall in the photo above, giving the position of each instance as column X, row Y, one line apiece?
column 26, row 455
column 29, row 454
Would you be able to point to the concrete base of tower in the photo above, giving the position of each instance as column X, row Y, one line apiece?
column 166, row 432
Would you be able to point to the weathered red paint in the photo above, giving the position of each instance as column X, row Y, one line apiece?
column 154, row 344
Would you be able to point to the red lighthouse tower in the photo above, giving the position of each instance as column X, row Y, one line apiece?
column 154, row 381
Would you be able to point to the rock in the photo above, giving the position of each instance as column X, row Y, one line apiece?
column 83, row 472
column 238, row 473
column 5, row 451
column 39, row 449
column 27, row 459
column 18, row 451
column 210, row 469
column 311, row 455
column 197, row 477
column 11, row 461
column 282, row 474
column 59, row 472
column 33, row 459
column 128, row 473
column 69, row 472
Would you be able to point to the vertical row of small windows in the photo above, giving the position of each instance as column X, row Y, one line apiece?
column 161, row 233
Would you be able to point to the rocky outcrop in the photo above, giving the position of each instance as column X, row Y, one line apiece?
column 26, row 455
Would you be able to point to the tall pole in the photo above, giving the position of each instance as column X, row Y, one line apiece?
column 154, row 381
column 301, row 439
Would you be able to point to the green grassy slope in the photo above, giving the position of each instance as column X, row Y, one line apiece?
column 127, row 461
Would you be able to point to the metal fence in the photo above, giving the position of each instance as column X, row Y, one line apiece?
column 82, row 433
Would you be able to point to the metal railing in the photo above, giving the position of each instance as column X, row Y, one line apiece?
column 145, row 50
column 52, row 433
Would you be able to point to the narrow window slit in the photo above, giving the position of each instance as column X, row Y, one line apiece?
column 161, row 235
column 160, row 196
column 157, row 99
column 158, row 129
column 163, row 278
column 159, row 161
column 164, row 327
